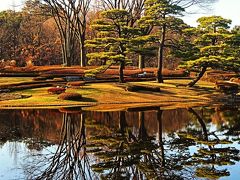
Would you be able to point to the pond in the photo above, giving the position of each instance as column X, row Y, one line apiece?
column 139, row 143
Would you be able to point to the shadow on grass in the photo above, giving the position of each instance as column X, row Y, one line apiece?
column 85, row 99
column 167, row 92
column 203, row 89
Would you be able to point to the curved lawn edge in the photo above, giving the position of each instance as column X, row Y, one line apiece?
column 116, row 106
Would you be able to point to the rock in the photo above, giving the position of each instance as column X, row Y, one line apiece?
column 235, row 80
column 73, row 78
column 227, row 87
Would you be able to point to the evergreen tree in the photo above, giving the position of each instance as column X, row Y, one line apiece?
column 114, row 35
column 159, row 13
column 144, row 46
column 215, row 44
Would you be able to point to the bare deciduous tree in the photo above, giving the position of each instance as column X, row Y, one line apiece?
column 70, row 17
column 70, row 161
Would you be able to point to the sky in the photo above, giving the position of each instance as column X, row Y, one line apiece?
column 229, row 9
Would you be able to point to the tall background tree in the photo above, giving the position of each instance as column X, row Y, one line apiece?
column 35, row 46
column 10, row 23
column 29, row 36
column 70, row 17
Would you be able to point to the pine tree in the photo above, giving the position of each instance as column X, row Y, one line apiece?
column 160, row 13
column 214, row 46
column 114, row 35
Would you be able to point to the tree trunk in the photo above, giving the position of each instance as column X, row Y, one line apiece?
column 160, row 55
column 121, row 68
column 202, row 123
column 83, row 56
column 64, row 53
column 160, row 135
column 83, row 52
column 67, row 44
column 142, row 129
column 141, row 63
column 122, row 122
column 198, row 77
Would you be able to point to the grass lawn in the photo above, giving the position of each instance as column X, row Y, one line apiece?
column 11, row 80
column 111, row 96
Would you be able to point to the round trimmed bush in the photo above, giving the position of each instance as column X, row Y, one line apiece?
column 70, row 96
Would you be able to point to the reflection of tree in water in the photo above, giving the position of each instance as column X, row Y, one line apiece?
column 70, row 160
column 231, row 116
column 211, row 151
column 124, row 155
column 119, row 150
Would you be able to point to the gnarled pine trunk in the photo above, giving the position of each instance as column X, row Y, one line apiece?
column 200, row 75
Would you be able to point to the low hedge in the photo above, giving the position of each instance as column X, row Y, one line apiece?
column 27, row 86
column 76, row 83
column 70, row 96
column 56, row 90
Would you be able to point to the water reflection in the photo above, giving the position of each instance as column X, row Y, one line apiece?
column 213, row 150
column 70, row 161
column 134, row 144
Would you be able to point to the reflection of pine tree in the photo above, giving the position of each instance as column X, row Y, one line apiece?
column 70, row 160
column 126, row 155
column 121, row 151
column 210, row 154
column 232, row 117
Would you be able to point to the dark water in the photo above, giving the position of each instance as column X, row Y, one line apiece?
column 198, row 143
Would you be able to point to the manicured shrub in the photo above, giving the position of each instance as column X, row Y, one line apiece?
column 66, row 71
column 56, row 90
column 76, row 83
column 16, row 87
column 70, row 96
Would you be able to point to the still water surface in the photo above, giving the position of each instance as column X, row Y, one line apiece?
column 198, row 143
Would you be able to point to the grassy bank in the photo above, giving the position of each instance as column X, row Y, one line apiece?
column 106, row 96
